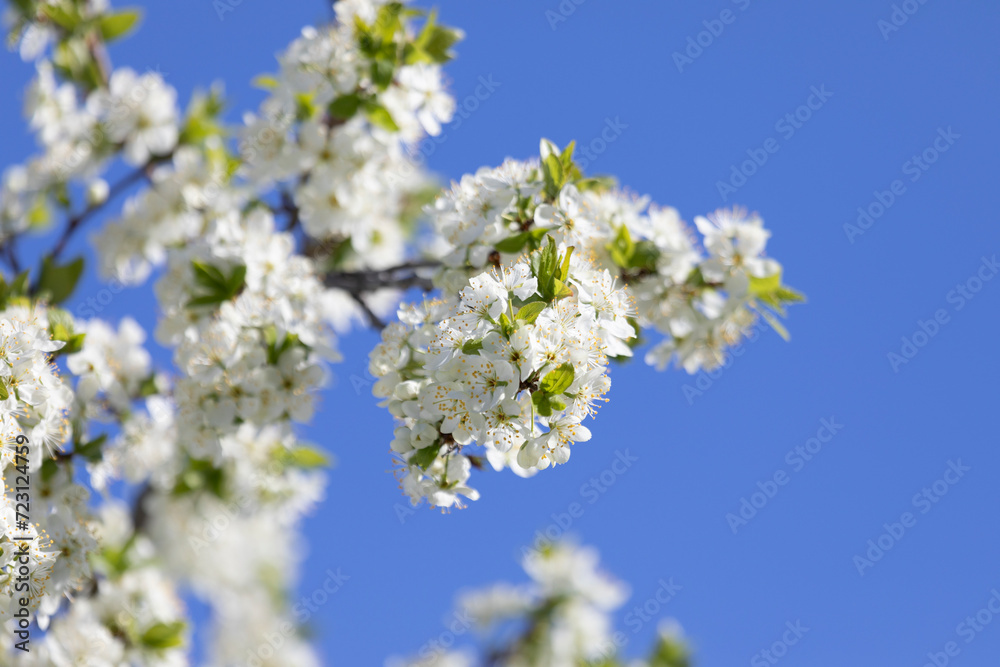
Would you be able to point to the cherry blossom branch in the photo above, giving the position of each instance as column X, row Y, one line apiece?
column 403, row 276
column 359, row 283
column 76, row 221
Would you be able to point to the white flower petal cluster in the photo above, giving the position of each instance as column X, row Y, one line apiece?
column 701, row 299
column 136, row 115
column 134, row 616
column 562, row 617
column 342, row 157
column 254, row 356
column 112, row 365
column 185, row 193
column 507, row 367
column 140, row 113
column 37, row 400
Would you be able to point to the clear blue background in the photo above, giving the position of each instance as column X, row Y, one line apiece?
column 665, row 517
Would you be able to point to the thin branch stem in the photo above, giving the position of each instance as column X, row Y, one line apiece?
column 359, row 283
column 74, row 222
column 375, row 320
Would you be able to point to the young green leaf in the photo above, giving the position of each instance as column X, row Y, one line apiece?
column 425, row 457
column 164, row 635
column 58, row 282
column 117, row 24
column 557, row 381
column 513, row 244
column 472, row 346
column 564, row 269
column 530, row 311
column 378, row 115
column 306, row 458
column 765, row 285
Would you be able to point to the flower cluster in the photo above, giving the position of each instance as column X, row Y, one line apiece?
column 513, row 362
column 34, row 401
column 112, row 367
column 701, row 300
column 560, row 619
column 515, row 365
column 333, row 133
column 250, row 319
column 134, row 616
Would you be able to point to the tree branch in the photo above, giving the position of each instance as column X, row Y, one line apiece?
column 74, row 223
column 403, row 276
column 359, row 283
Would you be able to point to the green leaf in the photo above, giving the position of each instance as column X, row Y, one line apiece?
column 4, row 394
column 472, row 346
column 435, row 41
column 542, row 405
column 345, row 106
column 380, row 116
column 61, row 326
column 382, row 70
column 116, row 24
column 20, row 285
column 206, row 300
column 530, row 311
column 306, row 457
column 164, row 635
column 208, row 275
column 387, row 21
column 564, row 269
column 39, row 214
column 219, row 287
column 786, row 294
column 264, row 82
column 49, row 469
column 425, row 457
column 645, row 256
column 545, row 403
column 506, row 326
column 776, row 324
column 622, row 247
column 596, row 183
column 58, row 282
column 560, row 290
column 200, row 476
column 61, row 17
column 274, row 350
column 767, row 285
column 552, row 171
column 514, row 243
column 566, row 157
column 557, row 381
column 92, row 450
column 546, row 266
column 148, row 386
column 669, row 652
column 304, row 107
column 237, row 279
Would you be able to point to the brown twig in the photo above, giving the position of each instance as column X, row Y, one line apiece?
column 74, row 222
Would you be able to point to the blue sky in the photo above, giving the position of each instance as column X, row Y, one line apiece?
column 927, row 90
